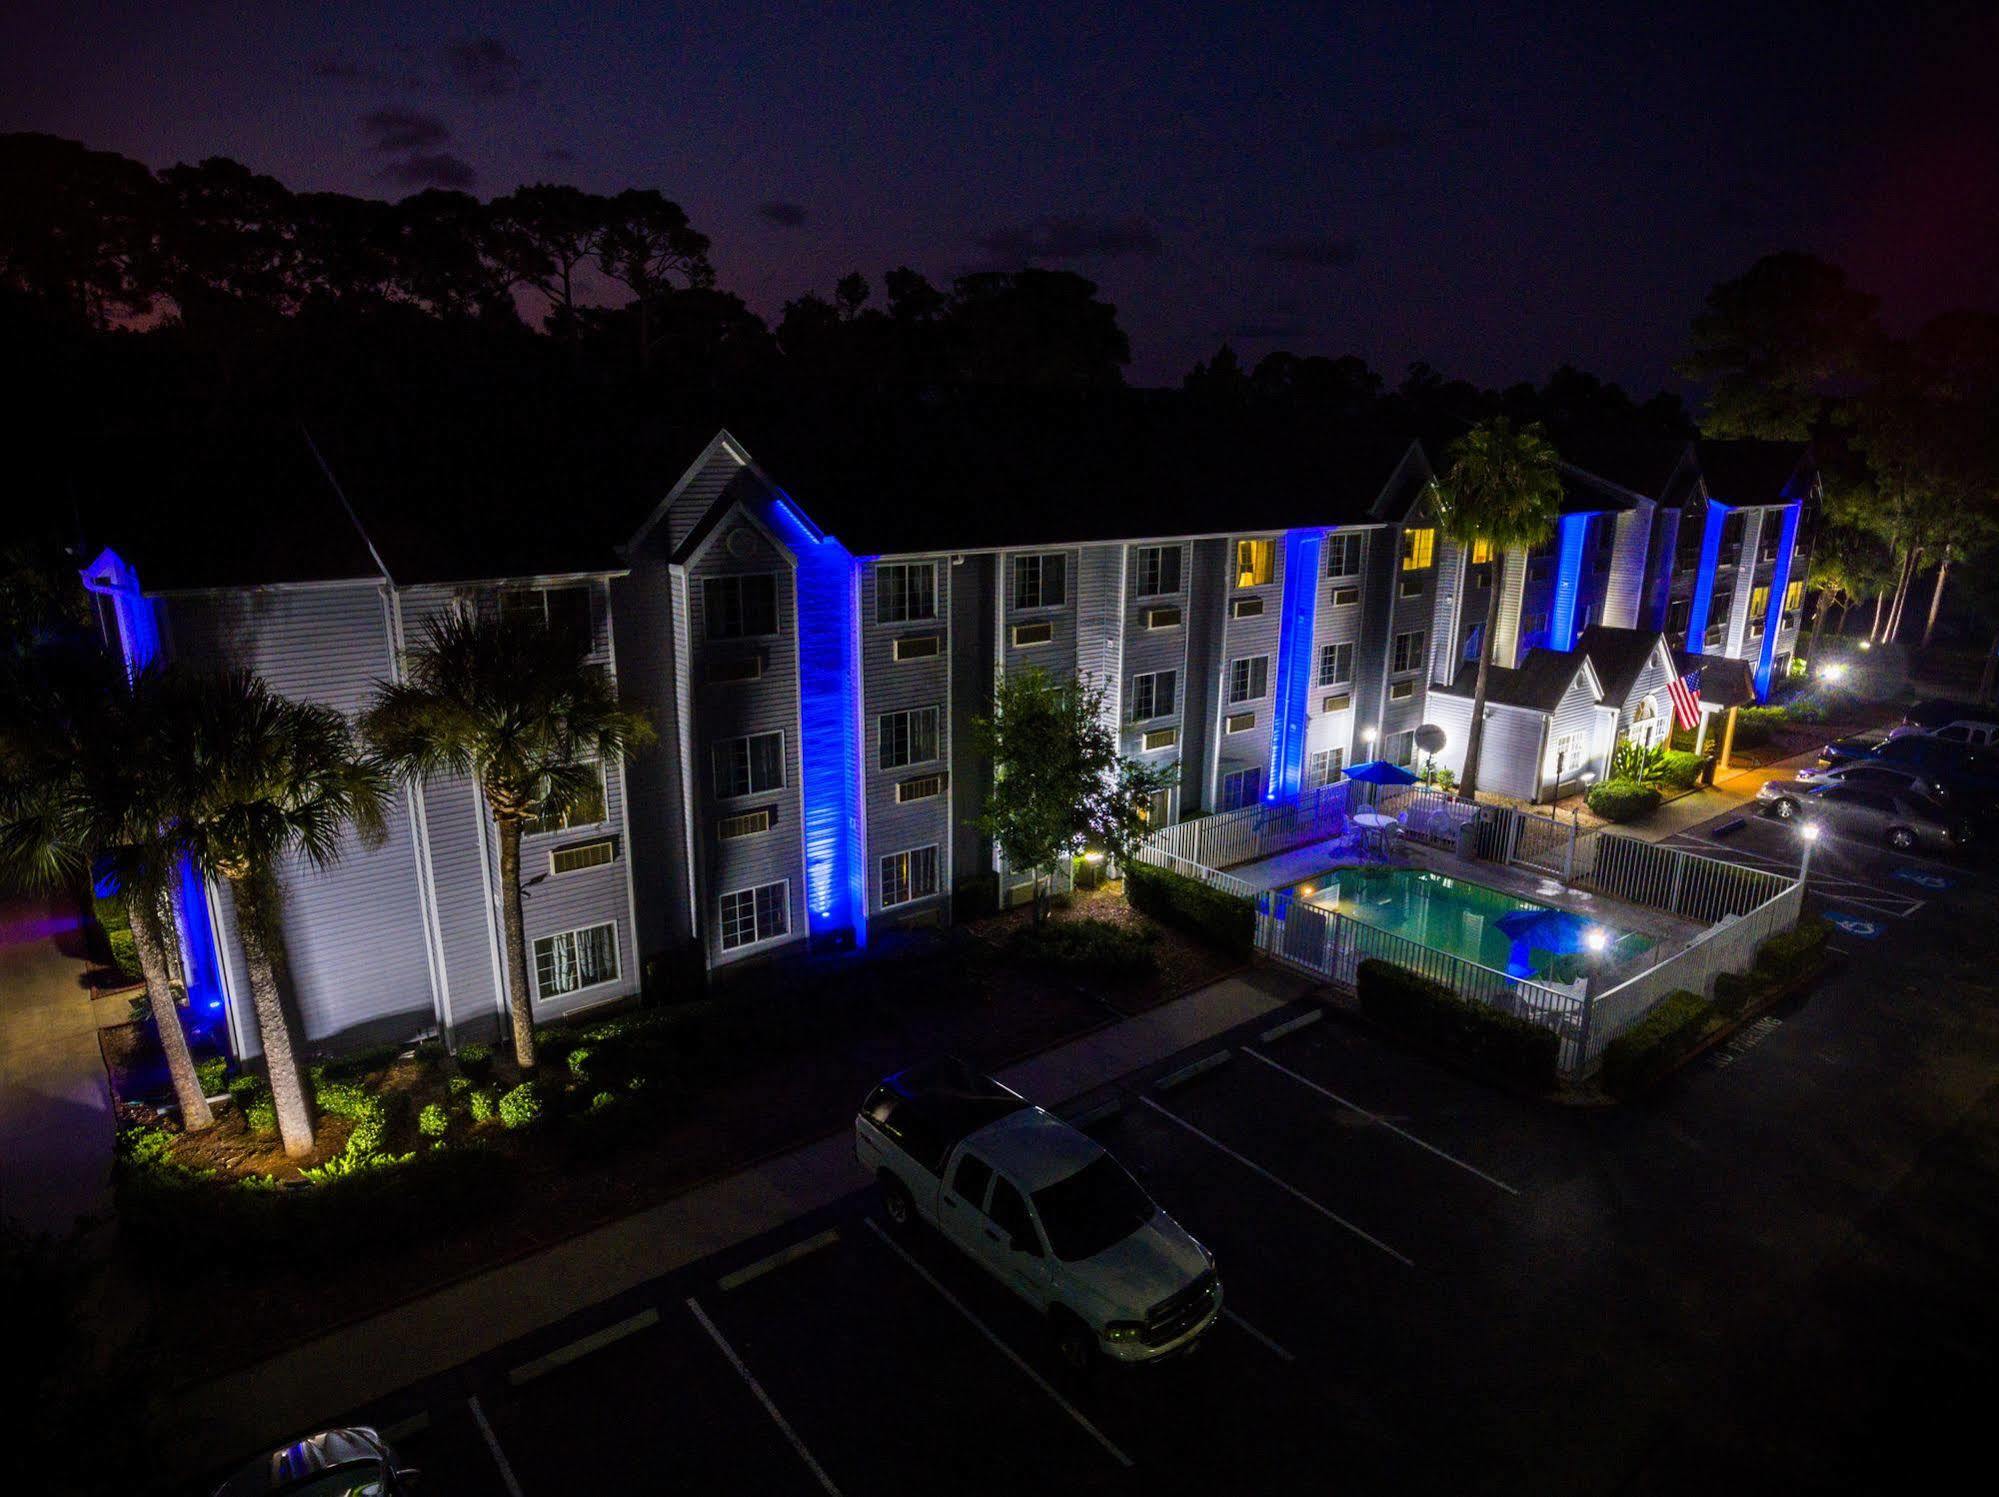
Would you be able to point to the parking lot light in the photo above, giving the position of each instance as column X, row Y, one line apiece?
column 1810, row 832
column 1836, row 671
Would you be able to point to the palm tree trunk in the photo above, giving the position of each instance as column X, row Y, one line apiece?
column 146, row 937
column 1991, row 670
column 1818, row 622
column 1936, row 601
column 256, row 921
column 1902, row 583
column 520, row 998
column 1475, row 734
column 1874, row 630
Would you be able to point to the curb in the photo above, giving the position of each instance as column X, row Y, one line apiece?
column 1714, row 1037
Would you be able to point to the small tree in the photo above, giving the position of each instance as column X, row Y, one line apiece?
column 1059, row 782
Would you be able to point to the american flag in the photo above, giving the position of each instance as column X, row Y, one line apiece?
column 1686, row 695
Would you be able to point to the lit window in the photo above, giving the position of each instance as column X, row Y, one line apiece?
column 740, row 607
column 1794, row 596
column 1419, row 549
column 908, row 737
column 752, row 915
column 909, row 875
column 575, row 959
column 905, row 592
column 1158, row 570
column 1249, row 679
column 1040, row 581
column 1255, row 563
column 1481, row 552
column 749, row 766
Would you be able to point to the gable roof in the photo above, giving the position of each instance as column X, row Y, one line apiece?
column 1538, row 685
column 1620, row 656
column 1746, row 471
column 1725, row 681
column 1586, row 493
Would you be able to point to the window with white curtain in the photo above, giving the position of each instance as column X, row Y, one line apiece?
column 575, row 959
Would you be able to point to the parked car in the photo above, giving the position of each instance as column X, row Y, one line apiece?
column 1041, row 1207
column 1854, row 746
column 1940, row 711
column 1971, row 776
column 1907, row 823
column 353, row 1461
column 1880, row 773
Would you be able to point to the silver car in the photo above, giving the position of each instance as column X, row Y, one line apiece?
column 1876, row 774
column 1905, row 822
column 350, row 1462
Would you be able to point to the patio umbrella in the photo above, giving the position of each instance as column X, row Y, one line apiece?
column 1557, row 932
column 1381, row 772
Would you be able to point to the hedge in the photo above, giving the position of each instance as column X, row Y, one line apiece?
column 1794, row 952
column 1222, row 920
column 1652, row 1047
column 1091, row 948
column 1623, row 800
column 1414, row 1005
column 1681, row 769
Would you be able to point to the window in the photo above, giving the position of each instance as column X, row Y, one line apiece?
column 1157, row 808
column 909, row 875
column 918, row 647
column 1246, row 608
column 1345, row 597
column 1401, row 748
column 1731, row 537
column 749, row 824
column 969, row 1180
column 1008, row 1212
column 1481, row 552
column 1032, row 634
column 1759, row 609
column 1794, row 596
column 749, row 766
column 905, row 592
column 587, row 809
column 1341, row 703
column 1401, row 691
column 566, row 611
column 1249, row 678
column 582, row 855
column 1158, row 570
column 1152, row 695
column 1469, row 650
column 908, row 737
column 1716, row 633
column 1412, row 587
column 1569, row 751
column 741, row 668
column 1419, row 549
column 1678, row 613
column 923, row 787
column 1040, row 581
column 575, row 960
column 1162, row 618
column 1324, row 767
column 1241, row 787
column 1238, row 722
column 1336, row 664
column 1408, row 651
column 1343, row 555
column 1255, row 563
column 1159, row 738
column 753, row 915
column 740, row 607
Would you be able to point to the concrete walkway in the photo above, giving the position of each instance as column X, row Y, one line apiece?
column 257, row 1406
column 55, row 1102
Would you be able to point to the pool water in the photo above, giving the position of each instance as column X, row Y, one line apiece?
column 1459, row 917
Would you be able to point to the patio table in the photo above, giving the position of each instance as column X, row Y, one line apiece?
column 1376, row 823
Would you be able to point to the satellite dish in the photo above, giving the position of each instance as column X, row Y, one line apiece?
column 1430, row 738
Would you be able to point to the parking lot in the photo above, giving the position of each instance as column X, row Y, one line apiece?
column 1430, row 1284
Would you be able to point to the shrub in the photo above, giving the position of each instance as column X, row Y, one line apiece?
column 1500, row 1042
column 603, row 1100
column 458, row 1086
column 1623, row 800
column 1094, row 948
column 1630, row 761
column 1653, row 1046
column 579, row 1063
column 480, row 1105
column 521, row 1106
column 252, row 1096
column 1794, row 952
column 1222, row 920
column 475, row 1060
column 433, row 1121
column 1754, row 726
column 124, row 952
column 1680, row 769
column 212, row 1074
column 1735, row 992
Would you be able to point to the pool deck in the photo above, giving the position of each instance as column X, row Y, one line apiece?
column 1669, row 934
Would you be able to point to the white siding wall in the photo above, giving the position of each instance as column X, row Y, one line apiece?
column 1146, row 651
column 892, row 685
column 1248, row 638
column 1627, row 567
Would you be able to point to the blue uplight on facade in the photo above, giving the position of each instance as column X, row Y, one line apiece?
column 1780, row 581
column 828, row 584
column 1574, row 531
column 1294, row 661
column 1717, row 513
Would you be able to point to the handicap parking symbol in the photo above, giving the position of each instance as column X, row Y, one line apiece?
column 1855, row 925
column 1922, row 878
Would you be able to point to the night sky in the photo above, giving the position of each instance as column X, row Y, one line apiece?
column 1493, row 189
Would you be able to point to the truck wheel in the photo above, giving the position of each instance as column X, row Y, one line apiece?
column 1075, row 1345
column 1901, row 839
column 896, row 1204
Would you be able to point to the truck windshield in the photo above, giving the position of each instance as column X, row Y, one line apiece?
column 1098, row 1206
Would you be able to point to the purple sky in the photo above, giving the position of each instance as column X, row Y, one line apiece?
column 1494, row 189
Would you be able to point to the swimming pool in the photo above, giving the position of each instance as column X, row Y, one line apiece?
column 1464, row 919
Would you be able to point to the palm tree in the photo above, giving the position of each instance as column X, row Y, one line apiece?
column 255, row 780
column 1504, row 487
column 81, row 792
column 503, row 698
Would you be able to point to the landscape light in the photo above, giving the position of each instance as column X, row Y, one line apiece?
column 1867, row 644
column 1834, row 672
column 1093, row 857
column 1809, row 831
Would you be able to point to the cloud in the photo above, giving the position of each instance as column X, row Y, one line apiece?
column 1320, row 253
column 439, row 169
column 484, row 66
column 1070, row 238
column 404, row 130
column 784, row 215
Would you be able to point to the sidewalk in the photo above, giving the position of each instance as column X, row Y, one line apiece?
column 55, row 1104
column 255, row 1406
column 1733, row 790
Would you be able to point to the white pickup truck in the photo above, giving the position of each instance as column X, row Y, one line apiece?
column 1042, row 1208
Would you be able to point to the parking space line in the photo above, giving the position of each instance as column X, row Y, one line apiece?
column 750, row 1380
column 1374, row 1117
column 582, row 1346
column 1010, row 1354
column 507, row 1477
column 1291, row 1190
column 1271, row 1346
column 778, row 1259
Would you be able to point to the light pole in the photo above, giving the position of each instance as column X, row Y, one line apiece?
column 1810, row 832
